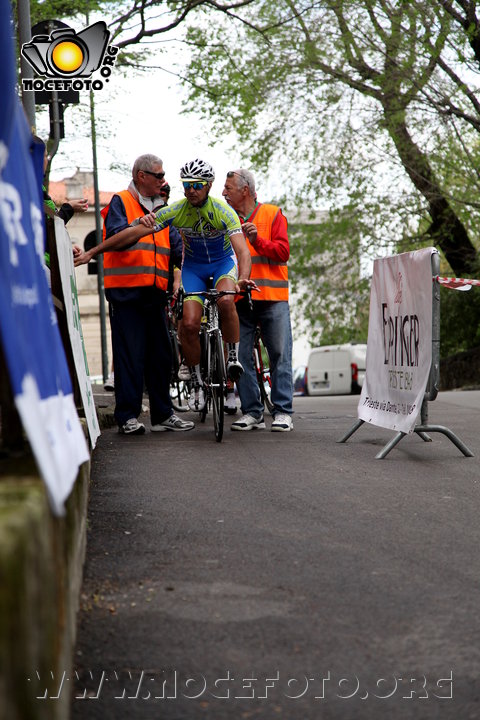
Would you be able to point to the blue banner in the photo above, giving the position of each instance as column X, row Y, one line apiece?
column 28, row 325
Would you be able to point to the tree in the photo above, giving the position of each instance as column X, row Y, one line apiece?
column 367, row 108
column 393, row 54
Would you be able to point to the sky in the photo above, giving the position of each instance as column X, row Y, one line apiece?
column 131, row 121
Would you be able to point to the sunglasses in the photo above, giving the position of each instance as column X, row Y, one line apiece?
column 231, row 173
column 159, row 175
column 197, row 185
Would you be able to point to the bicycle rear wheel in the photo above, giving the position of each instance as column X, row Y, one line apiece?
column 178, row 388
column 218, row 378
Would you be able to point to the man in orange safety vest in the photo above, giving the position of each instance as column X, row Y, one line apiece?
column 265, row 229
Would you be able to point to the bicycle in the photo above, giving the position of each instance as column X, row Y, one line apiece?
column 179, row 390
column 212, row 362
column 262, row 369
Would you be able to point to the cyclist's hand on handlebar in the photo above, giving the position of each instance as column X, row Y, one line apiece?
column 148, row 220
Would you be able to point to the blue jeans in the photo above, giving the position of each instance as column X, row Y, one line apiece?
column 274, row 321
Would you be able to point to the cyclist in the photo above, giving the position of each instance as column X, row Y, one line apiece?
column 213, row 246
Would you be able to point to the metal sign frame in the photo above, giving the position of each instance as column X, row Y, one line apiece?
column 432, row 385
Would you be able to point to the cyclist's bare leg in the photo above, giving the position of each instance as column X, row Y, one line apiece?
column 230, row 328
column 228, row 312
column 188, row 332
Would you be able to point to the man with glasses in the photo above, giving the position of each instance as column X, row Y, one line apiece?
column 136, row 277
column 265, row 229
column 213, row 247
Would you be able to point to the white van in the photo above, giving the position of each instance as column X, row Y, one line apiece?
column 336, row 369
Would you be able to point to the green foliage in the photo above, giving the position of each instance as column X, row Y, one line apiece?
column 350, row 103
column 329, row 292
column 62, row 9
column 459, row 320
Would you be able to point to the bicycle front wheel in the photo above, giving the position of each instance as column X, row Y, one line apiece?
column 218, row 376
column 262, row 368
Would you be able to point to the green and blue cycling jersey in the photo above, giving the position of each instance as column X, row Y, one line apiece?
column 207, row 249
column 205, row 230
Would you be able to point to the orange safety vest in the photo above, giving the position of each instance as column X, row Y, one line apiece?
column 271, row 276
column 143, row 264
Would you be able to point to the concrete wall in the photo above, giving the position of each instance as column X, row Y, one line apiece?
column 41, row 562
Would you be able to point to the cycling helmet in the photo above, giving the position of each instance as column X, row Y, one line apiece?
column 197, row 170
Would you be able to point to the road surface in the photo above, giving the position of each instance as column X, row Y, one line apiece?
column 284, row 575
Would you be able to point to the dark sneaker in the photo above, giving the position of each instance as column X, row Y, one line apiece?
column 282, row 423
column 173, row 423
column 132, row 427
column 234, row 368
column 248, row 422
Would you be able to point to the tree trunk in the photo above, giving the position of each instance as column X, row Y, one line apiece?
column 446, row 229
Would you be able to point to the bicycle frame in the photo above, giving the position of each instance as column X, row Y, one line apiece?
column 212, row 363
column 214, row 371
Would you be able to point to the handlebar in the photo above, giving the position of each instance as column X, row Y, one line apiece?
column 212, row 295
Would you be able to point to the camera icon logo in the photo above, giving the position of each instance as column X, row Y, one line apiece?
column 67, row 54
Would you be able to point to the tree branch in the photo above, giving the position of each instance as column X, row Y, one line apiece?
column 139, row 10
column 469, row 22
column 353, row 54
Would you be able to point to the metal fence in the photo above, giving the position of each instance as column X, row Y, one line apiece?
column 424, row 428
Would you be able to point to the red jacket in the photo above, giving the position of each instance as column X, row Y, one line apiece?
column 270, row 275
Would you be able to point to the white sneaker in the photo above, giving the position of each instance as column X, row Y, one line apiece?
column 248, row 422
column 173, row 423
column 132, row 427
column 196, row 400
column 230, row 404
column 282, row 423
column 110, row 384
column 183, row 373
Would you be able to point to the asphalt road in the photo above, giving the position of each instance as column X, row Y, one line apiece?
column 284, row 575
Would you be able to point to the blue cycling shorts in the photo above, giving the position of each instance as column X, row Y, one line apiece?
column 195, row 276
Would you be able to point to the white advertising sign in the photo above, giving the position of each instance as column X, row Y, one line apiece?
column 399, row 347
column 72, row 312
